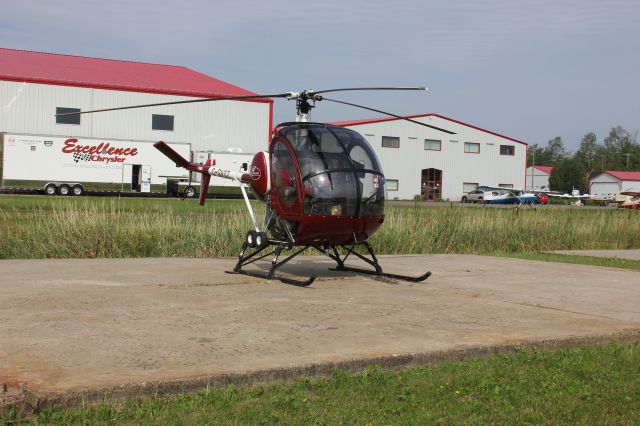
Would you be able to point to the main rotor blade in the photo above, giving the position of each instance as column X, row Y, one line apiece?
column 367, row 88
column 388, row 113
column 231, row 98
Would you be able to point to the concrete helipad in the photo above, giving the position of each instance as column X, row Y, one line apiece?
column 618, row 254
column 80, row 330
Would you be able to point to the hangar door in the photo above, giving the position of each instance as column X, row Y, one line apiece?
column 431, row 184
column 604, row 188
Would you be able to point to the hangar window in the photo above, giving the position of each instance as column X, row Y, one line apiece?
column 390, row 142
column 67, row 119
column 507, row 150
column 162, row 122
column 505, row 185
column 392, row 184
column 432, row 145
column 472, row 148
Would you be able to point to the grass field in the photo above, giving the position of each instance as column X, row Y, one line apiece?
column 599, row 384
column 89, row 227
column 590, row 385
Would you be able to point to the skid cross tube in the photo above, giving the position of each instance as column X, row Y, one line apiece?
column 275, row 264
column 373, row 262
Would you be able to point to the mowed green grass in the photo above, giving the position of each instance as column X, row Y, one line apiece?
column 588, row 385
column 88, row 227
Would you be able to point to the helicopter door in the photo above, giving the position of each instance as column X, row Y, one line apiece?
column 283, row 174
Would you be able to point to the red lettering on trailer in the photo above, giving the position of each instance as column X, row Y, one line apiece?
column 107, row 159
column 70, row 146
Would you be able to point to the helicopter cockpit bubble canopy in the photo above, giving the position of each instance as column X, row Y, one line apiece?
column 340, row 174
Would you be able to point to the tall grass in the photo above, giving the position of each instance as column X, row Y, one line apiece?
column 38, row 227
column 491, row 230
column 90, row 228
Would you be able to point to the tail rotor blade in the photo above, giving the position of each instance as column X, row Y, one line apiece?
column 172, row 154
column 390, row 114
column 204, row 187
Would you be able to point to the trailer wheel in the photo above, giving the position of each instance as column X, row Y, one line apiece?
column 50, row 189
column 64, row 190
column 189, row 192
column 77, row 190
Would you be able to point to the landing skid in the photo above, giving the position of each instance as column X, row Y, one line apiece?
column 373, row 262
column 246, row 259
column 331, row 251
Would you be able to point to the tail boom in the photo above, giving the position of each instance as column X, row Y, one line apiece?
column 206, row 170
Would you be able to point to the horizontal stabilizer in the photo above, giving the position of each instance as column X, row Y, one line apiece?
column 173, row 155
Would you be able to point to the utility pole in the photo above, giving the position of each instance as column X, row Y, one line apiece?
column 533, row 167
column 627, row 155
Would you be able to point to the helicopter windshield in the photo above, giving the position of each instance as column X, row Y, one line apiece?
column 340, row 173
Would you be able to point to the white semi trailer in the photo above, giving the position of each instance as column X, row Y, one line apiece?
column 73, row 165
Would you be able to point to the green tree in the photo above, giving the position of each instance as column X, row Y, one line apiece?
column 586, row 154
column 618, row 140
column 555, row 150
column 548, row 156
column 568, row 174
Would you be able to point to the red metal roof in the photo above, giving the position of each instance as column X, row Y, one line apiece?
column 379, row 120
column 623, row 175
column 546, row 169
column 66, row 70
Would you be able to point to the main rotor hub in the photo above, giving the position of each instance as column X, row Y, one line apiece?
column 305, row 102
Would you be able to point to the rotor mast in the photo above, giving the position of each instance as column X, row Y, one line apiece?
column 305, row 102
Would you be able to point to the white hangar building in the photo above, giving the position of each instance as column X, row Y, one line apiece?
column 538, row 177
column 419, row 161
column 611, row 182
column 35, row 86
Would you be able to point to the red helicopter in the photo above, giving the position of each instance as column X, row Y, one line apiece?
column 322, row 184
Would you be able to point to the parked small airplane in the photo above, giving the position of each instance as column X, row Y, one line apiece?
column 493, row 195
column 632, row 200
column 575, row 195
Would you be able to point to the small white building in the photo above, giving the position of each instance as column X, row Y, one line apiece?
column 610, row 183
column 538, row 178
column 433, row 165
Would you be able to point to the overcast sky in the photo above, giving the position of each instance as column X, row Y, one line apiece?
column 531, row 70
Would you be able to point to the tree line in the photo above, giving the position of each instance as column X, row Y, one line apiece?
column 620, row 150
